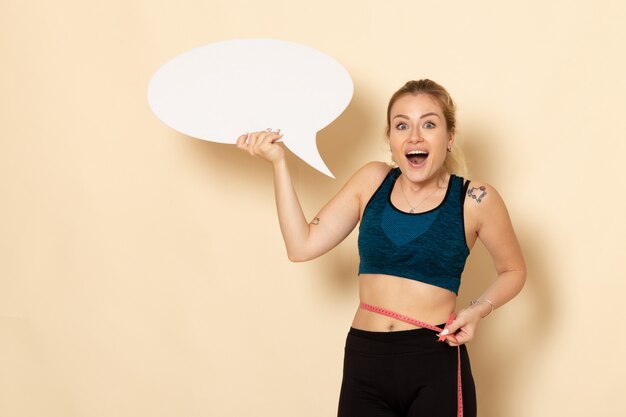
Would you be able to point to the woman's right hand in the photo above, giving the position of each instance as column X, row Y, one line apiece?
column 263, row 144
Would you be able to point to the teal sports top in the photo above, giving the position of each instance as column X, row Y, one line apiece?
column 428, row 247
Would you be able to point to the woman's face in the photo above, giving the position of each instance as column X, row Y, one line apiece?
column 418, row 136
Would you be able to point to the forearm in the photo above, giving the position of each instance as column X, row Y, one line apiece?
column 301, row 243
column 293, row 224
column 506, row 286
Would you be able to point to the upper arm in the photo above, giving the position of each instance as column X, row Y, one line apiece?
column 489, row 220
column 342, row 213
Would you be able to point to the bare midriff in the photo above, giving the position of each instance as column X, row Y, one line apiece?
column 416, row 299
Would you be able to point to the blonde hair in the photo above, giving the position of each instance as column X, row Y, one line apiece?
column 455, row 160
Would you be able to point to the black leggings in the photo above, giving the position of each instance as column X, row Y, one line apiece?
column 403, row 374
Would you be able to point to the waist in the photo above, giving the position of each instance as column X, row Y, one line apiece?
column 402, row 342
column 417, row 299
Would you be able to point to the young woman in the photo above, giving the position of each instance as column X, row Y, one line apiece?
column 405, row 352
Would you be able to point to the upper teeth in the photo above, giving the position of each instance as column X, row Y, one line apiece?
column 417, row 153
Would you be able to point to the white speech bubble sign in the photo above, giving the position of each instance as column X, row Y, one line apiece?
column 219, row 91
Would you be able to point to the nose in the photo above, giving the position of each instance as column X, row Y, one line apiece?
column 415, row 136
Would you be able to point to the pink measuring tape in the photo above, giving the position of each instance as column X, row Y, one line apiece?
column 418, row 323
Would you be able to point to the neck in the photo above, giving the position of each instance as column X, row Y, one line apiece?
column 430, row 184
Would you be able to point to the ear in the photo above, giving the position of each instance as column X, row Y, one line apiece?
column 451, row 138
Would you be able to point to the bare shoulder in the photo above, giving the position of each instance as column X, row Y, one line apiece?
column 374, row 171
column 481, row 194
column 483, row 202
column 370, row 174
column 366, row 181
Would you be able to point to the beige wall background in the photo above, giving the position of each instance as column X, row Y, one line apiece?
column 142, row 272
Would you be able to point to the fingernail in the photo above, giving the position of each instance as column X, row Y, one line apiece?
column 445, row 332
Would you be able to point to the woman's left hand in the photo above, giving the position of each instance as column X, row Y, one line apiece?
column 463, row 328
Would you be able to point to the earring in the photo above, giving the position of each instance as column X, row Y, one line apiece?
column 450, row 148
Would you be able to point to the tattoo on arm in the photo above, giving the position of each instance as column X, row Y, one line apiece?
column 477, row 193
column 315, row 221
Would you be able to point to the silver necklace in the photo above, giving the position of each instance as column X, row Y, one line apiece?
column 420, row 203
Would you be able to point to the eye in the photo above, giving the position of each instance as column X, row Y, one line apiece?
column 429, row 125
column 401, row 126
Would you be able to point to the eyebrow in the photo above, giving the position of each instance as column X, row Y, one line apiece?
column 421, row 117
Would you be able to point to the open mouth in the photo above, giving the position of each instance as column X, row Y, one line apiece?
column 416, row 157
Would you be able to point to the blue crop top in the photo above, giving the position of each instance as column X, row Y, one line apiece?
column 429, row 247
